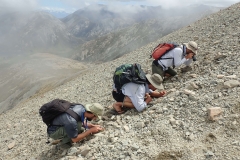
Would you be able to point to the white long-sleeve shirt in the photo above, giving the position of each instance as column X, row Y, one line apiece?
column 136, row 92
column 177, row 55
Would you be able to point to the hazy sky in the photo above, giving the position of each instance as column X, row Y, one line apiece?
column 72, row 5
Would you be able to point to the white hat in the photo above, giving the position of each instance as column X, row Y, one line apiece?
column 95, row 108
column 192, row 46
column 156, row 80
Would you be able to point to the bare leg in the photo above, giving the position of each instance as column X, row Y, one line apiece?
column 127, row 103
column 118, row 107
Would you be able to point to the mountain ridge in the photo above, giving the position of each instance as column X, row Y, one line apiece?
column 23, row 34
column 41, row 32
column 176, row 126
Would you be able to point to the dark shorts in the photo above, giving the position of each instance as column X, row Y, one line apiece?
column 60, row 133
column 156, row 68
column 118, row 96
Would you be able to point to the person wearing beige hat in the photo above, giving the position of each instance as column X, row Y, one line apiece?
column 68, row 129
column 139, row 95
column 183, row 54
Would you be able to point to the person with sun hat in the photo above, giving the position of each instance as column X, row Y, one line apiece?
column 69, row 130
column 183, row 54
column 137, row 96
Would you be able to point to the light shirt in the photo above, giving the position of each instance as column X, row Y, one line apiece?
column 136, row 92
column 177, row 55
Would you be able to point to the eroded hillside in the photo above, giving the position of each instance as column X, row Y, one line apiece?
column 174, row 127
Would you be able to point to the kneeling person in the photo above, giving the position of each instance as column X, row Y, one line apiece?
column 65, row 127
column 138, row 95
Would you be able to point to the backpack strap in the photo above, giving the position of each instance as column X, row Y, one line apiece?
column 73, row 114
column 184, row 52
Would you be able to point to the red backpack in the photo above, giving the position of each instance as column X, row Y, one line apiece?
column 162, row 49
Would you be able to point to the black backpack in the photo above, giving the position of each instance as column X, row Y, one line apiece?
column 52, row 109
column 128, row 73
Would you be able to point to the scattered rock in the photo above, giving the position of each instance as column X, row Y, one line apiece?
column 11, row 145
column 209, row 154
column 126, row 128
column 85, row 151
column 214, row 112
column 140, row 125
column 231, row 83
column 231, row 76
column 220, row 76
column 145, row 135
column 188, row 92
column 193, row 75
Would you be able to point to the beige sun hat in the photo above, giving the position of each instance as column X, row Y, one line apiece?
column 95, row 108
column 156, row 80
column 192, row 46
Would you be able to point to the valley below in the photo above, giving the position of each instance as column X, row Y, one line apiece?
column 24, row 76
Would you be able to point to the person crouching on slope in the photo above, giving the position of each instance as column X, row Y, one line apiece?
column 138, row 95
column 66, row 128
column 184, row 54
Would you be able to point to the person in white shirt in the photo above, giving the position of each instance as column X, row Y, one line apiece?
column 139, row 95
column 184, row 54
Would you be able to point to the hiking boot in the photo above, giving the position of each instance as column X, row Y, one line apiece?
column 66, row 145
column 55, row 142
column 186, row 69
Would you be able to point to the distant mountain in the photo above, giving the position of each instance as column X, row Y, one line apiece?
column 42, row 32
column 34, row 32
column 89, row 23
column 150, row 27
column 94, row 34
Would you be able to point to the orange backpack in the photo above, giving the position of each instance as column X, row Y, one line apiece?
column 162, row 49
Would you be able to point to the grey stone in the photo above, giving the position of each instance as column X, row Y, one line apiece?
column 85, row 151
column 231, row 83
column 140, row 124
column 72, row 151
column 150, row 133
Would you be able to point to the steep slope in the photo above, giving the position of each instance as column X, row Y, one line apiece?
column 24, row 76
column 175, row 127
column 153, row 23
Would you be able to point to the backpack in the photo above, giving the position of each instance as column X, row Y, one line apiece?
column 162, row 49
column 128, row 73
column 51, row 110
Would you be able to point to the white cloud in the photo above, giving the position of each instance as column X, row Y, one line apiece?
column 57, row 9
column 163, row 3
column 77, row 4
column 19, row 4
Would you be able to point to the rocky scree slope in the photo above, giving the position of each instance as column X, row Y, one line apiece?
column 174, row 127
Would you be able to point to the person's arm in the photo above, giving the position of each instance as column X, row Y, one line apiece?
column 148, row 98
column 178, row 60
column 188, row 62
column 90, row 125
column 141, row 104
column 157, row 94
column 92, row 130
